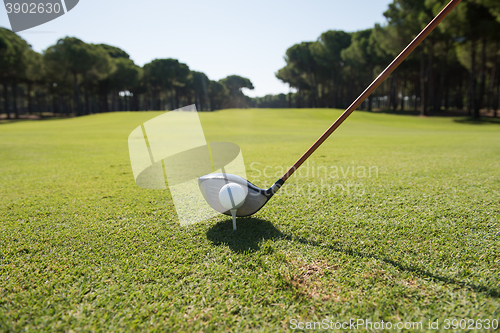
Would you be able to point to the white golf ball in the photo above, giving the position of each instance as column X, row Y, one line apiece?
column 232, row 196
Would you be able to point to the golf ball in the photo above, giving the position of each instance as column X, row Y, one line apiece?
column 232, row 196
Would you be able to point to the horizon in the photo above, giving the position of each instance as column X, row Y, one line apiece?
column 259, row 39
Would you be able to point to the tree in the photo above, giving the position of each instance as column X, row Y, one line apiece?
column 114, row 52
column 362, row 56
column 14, row 54
column 167, row 75
column 300, row 57
column 111, row 84
column 78, row 58
column 182, row 77
column 235, row 84
column 289, row 74
column 218, row 94
column 200, row 87
column 408, row 18
column 99, row 67
column 125, row 77
column 473, row 26
column 327, row 54
column 33, row 75
column 493, row 6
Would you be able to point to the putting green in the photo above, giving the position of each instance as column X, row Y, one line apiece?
column 394, row 218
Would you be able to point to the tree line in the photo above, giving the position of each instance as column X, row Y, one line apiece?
column 77, row 78
column 456, row 67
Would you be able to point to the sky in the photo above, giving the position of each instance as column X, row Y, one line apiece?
column 217, row 37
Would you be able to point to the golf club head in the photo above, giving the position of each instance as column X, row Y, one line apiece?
column 256, row 198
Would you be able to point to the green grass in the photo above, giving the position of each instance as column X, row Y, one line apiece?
column 82, row 248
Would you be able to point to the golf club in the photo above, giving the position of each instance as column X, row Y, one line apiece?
column 211, row 184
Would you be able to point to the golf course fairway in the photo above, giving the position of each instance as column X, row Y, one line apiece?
column 393, row 218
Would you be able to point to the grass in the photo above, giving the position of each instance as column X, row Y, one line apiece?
column 82, row 248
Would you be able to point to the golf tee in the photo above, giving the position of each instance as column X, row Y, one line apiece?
column 233, row 214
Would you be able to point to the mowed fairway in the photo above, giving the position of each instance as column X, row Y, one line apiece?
column 395, row 218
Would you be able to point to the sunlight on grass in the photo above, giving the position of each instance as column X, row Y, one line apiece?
column 393, row 218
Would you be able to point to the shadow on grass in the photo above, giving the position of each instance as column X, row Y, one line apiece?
column 422, row 273
column 477, row 121
column 398, row 112
column 17, row 120
column 252, row 231
column 461, row 115
column 249, row 234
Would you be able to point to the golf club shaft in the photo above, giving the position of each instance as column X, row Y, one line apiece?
column 392, row 66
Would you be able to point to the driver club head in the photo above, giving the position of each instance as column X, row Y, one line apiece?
column 256, row 198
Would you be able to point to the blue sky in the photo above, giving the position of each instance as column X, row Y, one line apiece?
column 217, row 37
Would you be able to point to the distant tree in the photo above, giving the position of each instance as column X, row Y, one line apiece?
column 114, row 52
column 154, row 77
column 167, row 75
column 476, row 27
column 182, row 78
column 292, row 76
column 388, row 42
column 362, row 56
column 457, row 65
column 406, row 18
column 200, row 87
column 78, row 58
column 235, row 84
column 110, row 84
column 218, row 94
column 270, row 101
column 493, row 6
column 99, row 67
column 468, row 28
column 125, row 77
column 301, row 57
column 33, row 75
column 14, row 55
column 327, row 54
